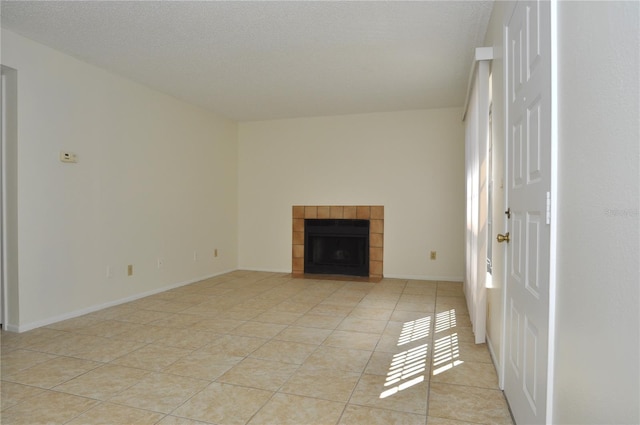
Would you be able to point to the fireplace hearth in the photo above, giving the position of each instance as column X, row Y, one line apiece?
column 336, row 246
column 327, row 248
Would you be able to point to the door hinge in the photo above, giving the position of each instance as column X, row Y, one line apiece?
column 548, row 207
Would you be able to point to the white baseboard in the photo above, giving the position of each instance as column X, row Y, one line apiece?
column 82, row 312
column 424, row 277
column 495, row 362
column 253, row 269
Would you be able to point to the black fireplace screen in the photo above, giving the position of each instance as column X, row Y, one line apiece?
column 336, row 246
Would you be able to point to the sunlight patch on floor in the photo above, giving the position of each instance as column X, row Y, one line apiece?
column 406, row 370
column 415, row 330
column 446, row 350
column 446, row 320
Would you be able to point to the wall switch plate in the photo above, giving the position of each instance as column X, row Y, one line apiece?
column 215, row 252
column 159, row 263
column 130, row 270
column 69, row 157
column 433, row 255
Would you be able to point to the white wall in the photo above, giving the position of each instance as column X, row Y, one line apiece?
column 156, row 178
column 597, row 375
column 410, row 162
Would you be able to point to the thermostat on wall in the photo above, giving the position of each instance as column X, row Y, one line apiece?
column 68, row 157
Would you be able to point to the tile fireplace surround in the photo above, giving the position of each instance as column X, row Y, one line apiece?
column 373, row 213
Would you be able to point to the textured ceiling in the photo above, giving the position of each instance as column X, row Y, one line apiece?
column 256, row 60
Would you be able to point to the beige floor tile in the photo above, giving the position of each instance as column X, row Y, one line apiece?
column 175, row 420
column 112, row 312
column 459, row 304
column 415, row 307
column 188, row 339
column 357, row 415
column 332, row 310
column 255, row 333
column 319, row 321
column 343, row 301
column 13, row 394
column 327, row 384
column 451, row 371
column 406, row 395
column 220, row 325
column 257, row 304
column 160, row 392
column 457, row 333
column 105, row 328
column 170, row 306
column 49, row 407
column 284, row 351
column 450, row 289
column 142, row 317
column 417, row 299
column 234, row 345
column 357, row 324
column 426, row 287
column 371, row 313
column 469, row 404
column 431, row 420
column 386, row 302
column 405, row 316
column 339, row 358
column 258, row 373
column 105, row 349
column 304, row 335
column 242, row 314
column 64, row 345
column 224, row 404
column 152, row 357
column 53, row 372
column 14, row 361
column 103, row 382
column 204, row 311
column 474, row 352
column 293, row 307
column 353, row 340
column 13, row 340
column 382, row 363
column 143, row 333
column 203, row 365
column 75, row 324
column 114, row 414
column 287, row 409
column 178, row 321
column 258, row 330
column 279, row 317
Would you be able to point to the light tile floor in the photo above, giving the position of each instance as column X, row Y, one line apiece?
column 259, row 348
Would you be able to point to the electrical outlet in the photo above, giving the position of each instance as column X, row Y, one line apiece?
column 130, row 270
column 68, row 157
column 215, row 252
column 433, row 255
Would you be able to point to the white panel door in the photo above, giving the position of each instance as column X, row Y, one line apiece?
column 528, row 76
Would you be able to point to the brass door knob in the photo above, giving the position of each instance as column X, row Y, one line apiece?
column 503, row 238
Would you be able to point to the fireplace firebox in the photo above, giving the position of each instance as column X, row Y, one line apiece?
column 336, row 246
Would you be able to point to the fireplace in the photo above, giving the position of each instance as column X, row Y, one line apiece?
column 373, row 214
column 336, row 246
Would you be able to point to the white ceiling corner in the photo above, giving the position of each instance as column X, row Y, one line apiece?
column 258, row 60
